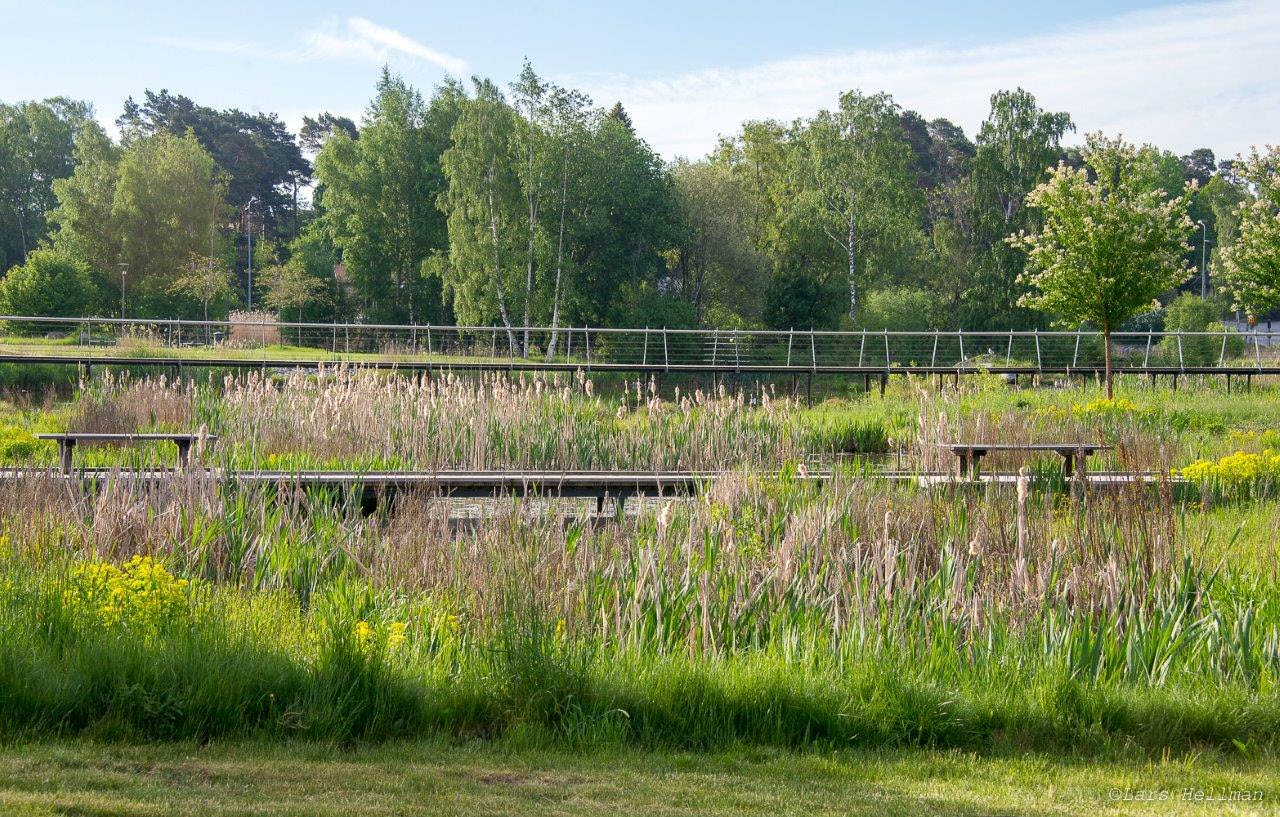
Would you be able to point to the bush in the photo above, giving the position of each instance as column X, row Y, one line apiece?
column 49, row 284
column 1191, row 313
column 900, row 309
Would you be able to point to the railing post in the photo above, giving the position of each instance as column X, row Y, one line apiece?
column 1181, row 365
column 1039, row 360
column 644, row 356
column 1146, row 357
column 933, row 358
column 862, row 346
column 1075, row 356
column 666, row 360
column 888, row 359
column 1222, row 353
column 1008, row 354
column 791, row 336
column 1257, row 350
column 737, row 351
column 586, row 338
column 960, row 335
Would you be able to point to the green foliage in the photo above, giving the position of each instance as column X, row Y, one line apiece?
column 50, row 283
column 1191, row 313
column 379, row 196
column 255, row 151
column 901, row 309
column 37, row 146
column 1250, row 267
column 1017, row 145
column 1111, row 242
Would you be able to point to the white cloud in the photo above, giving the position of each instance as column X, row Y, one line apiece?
column 352, row 38
column 1183, row 77
column 363, row 39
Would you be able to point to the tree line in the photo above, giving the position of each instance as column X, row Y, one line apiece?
column 529, row 205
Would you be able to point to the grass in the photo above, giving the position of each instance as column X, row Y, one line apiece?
column 862, row 616
column 427, row 778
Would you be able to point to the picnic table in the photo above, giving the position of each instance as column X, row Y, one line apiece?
column 67, row 442
column 969, row 455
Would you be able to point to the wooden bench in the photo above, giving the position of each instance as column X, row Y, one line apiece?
column 67, row 443
column 969, row 455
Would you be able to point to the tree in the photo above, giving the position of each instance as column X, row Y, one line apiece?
column 49, row 283
column 257, row 152
column 1250, row 268
column 206, row 280
column 379, row 195
column 1016, row 146
column 168, row 205
column 291, row 287
column 37, row 147
column 149, row 207
column 619, row 114
column 714, row 267
column 486, row 209
column 854, row 174
column 314, row 132
column 1111, row 241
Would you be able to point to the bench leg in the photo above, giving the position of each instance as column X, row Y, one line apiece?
column 962, row 466
column 975, row 466
column 184, row 452
column 1068, row 463
column 66, row 449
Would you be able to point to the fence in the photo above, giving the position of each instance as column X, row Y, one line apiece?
column 638, row 349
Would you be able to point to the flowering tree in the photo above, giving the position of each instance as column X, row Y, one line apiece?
column 1251, row 266
column 1112, row 239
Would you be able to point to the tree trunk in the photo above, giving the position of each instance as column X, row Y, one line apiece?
column 1106, row 358
column 497, row 259
column 555, row 298
column 853, row 270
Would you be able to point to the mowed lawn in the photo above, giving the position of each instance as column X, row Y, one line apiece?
column 85, row 778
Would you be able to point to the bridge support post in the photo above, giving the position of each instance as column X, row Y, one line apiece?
column 884, row 382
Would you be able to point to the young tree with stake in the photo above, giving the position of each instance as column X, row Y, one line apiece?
column 1112, row 240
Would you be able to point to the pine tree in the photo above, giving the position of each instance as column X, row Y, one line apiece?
column 620, row 113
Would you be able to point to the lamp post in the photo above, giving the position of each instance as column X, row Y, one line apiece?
column 1204, row 252
column 124, row 270
column 248, row 215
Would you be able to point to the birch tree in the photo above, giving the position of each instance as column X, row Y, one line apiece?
column 854, row 171
column 486, row 212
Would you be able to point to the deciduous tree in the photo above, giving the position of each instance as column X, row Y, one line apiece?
column 1111, row 240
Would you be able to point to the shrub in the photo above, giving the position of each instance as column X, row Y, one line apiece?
column 1191, row 313
column 51, row 283
column 901, row 309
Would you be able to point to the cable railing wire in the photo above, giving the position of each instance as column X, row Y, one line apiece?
column 653, row 349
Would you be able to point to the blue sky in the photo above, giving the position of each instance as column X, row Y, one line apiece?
column 1181, row 74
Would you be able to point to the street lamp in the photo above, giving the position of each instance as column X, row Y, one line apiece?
column 124, row 270
column 1204, row 252
column 248, row 215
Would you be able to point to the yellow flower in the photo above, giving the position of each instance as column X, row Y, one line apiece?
column 363, row 631
column 396, row 633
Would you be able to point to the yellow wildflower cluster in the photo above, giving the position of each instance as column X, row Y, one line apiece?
column 1240, row 468
column 1270, row 438
column 390, row 636
column 141, row 593
column 1106, row 408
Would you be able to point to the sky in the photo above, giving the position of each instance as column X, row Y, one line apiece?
column 1181, row 75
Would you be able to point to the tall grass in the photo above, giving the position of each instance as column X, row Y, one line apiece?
column 768, row 611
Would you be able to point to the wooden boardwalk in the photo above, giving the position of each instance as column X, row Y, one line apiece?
column 609, row 489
